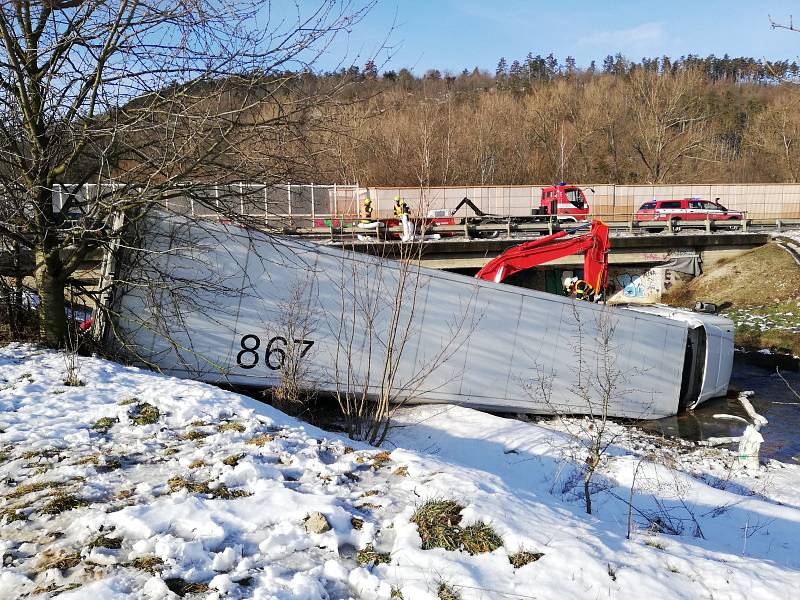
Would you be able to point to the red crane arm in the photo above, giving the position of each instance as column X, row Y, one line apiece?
column 594, row 245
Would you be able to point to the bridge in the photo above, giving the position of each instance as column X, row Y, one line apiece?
column 646, row 250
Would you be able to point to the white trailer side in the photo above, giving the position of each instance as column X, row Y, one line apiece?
column 214, row 302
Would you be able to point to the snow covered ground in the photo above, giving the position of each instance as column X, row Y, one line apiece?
column 216, row 495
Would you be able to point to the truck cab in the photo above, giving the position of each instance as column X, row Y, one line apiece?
column 567, row 202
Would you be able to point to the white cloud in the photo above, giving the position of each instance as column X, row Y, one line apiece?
column 641, row 36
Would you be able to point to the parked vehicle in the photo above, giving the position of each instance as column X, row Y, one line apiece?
column 567, row 202
column 686, row 209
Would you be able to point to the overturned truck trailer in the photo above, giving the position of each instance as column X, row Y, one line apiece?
column 225, row 304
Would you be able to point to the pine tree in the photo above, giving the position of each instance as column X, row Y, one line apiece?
column 551, row 66
column 571, row 67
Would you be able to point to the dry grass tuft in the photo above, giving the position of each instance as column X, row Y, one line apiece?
column 103, row 424
column 38, row 486
column 202, row 487
column 62, row 562
column 103, row 541
column 194, row 434
column 522, row 558
column 144, row 413
column 479, row 538
column 62, row 503
column 89, row 459
column 446, row 592
column 182, row 587
column 128, row 401
column 233, row 459
column 148, row 563
column 368, row 556
column 260, row 440
column 238, row 427
column 197, row 463
column 437, row 522
column 380, row 459
column 9, row 515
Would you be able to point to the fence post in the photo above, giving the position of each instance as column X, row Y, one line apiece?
column 508, row 227
column 708, row 223
column 744, row 223
column 778, row 224
column 289, row 202
column 313, row 208
column 266, row 212
column 335, row 201
column 241, row 198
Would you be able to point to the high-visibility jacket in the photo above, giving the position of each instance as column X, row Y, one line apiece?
column 366, row 209
column 400, row 207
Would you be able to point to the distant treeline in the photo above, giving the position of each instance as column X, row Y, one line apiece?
column 691, row 119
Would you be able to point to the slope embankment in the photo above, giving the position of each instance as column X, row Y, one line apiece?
column 759, row 290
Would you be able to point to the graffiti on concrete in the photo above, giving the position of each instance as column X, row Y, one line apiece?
column 639, row 287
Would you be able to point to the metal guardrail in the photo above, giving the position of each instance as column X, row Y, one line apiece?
column 475, row 227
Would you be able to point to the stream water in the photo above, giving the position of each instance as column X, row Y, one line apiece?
column 773, row 399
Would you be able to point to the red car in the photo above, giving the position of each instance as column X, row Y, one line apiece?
column 687, row 209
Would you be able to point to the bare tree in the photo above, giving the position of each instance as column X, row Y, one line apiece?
column 598, row 383
column 668, row 121
column 146, row 98
column 775, row 133
column 376, row 369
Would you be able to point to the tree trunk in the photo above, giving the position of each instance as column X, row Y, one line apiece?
column 50, row 287
column 586, row 492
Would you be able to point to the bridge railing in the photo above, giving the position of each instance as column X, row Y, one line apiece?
column 477, row 227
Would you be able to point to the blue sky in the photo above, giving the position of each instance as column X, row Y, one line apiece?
column 456, row 34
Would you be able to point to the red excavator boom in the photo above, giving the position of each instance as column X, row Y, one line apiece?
column 594, row 245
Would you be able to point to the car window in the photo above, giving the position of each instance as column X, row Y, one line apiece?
column 713, row 206
column 647, row 206
column 575, row 197
column 696, row 204
column 671, row 204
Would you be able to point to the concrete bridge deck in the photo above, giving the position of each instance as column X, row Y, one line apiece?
column 626, row 249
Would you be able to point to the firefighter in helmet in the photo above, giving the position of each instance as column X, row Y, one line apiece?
column 366, row 210
column 400, row 207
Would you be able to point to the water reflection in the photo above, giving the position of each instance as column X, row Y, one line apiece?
column 773, row 399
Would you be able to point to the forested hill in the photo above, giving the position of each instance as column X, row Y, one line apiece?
column 539, row 119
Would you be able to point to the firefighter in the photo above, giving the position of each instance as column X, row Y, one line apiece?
column 400, row 207
column 366, row 210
